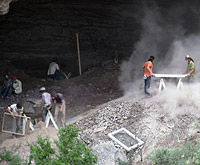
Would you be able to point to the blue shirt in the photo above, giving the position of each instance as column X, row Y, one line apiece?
column 59, row 98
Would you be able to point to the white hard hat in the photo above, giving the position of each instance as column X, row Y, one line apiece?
column 187, row 56
column 42, row 89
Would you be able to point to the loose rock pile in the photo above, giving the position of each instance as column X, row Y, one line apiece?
column 113, row 116
column 105, row 120
column 144, row 118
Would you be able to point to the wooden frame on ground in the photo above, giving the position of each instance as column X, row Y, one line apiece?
column 9, row 120
column 137, row 141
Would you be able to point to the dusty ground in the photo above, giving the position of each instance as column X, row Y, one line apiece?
column 158, row 121
column 82, row 93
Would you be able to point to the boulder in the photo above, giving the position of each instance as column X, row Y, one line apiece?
column 107, row 153
column 33, row 107
column 28, row 108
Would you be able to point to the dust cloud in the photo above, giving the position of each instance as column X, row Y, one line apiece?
column 169, row 32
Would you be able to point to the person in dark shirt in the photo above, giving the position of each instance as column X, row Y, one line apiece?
column 59, row 115
column 7, row 87
column 1, row 85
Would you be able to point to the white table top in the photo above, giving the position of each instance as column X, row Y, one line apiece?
column 170, row 75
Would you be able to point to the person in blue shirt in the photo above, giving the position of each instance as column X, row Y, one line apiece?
column 59, row 115
column 7, row 87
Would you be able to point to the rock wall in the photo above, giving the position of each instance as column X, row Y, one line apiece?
column 35, row 31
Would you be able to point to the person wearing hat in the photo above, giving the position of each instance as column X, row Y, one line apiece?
column 17, row 85
column 7, row 87
column 46, row 102
column 147, row 69
column 1, row 85
column 190, row 69
column 16, row 109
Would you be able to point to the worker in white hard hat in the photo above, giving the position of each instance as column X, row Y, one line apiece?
column 46, row 102
column 190, row 69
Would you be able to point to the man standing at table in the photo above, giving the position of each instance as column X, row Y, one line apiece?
column 190, row 69
column 147, row 68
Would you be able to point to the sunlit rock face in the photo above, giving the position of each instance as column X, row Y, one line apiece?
column 34, row 31
column 4, row 6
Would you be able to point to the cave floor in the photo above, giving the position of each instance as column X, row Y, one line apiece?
column 82, row 93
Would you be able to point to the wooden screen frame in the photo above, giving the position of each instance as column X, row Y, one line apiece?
column 26, row 126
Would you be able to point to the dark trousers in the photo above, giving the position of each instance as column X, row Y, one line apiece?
column 56, row 75
column 44, row 113
column 7, row 92
column 147, row 83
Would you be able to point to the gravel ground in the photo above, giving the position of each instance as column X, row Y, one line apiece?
column 97, row 97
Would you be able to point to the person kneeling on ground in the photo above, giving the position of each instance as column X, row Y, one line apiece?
column 54, row 69
column 17, row 85
column 16, row 109
column 59, row 108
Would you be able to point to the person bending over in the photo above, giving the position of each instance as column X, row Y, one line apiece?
column 16, row 109
column 59, row 100
column 46, row 102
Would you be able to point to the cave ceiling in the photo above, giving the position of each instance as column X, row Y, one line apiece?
column 46, row 28
column 41, row 29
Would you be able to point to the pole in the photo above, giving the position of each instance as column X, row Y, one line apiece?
column 79, row 58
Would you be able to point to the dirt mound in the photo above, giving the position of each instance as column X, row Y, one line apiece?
column 21, row 145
